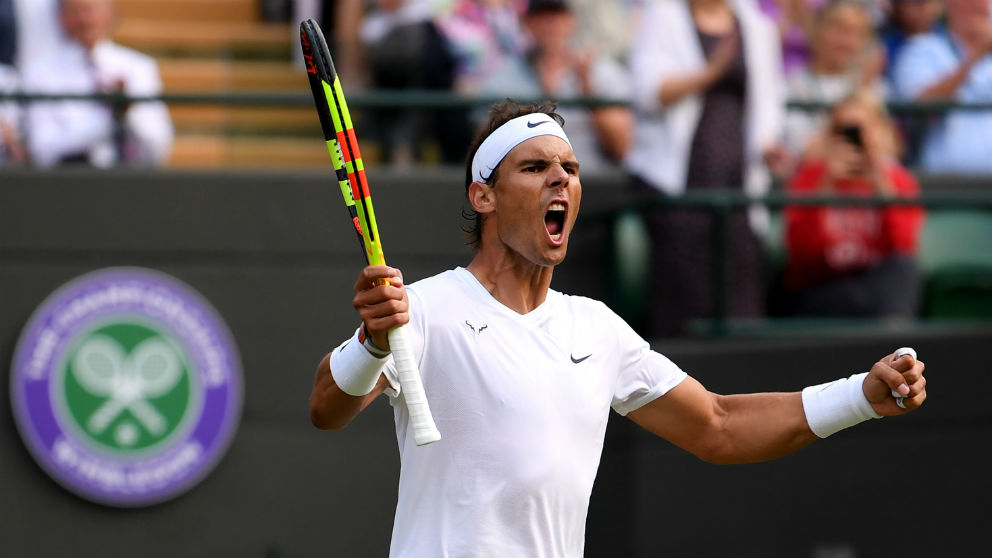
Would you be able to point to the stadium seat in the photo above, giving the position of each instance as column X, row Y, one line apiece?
column 217, row 47
column 216, row 11
column 956, row 263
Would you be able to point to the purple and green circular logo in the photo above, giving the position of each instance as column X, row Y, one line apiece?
column 126, row 386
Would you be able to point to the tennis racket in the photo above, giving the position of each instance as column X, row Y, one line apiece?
column 342, row 145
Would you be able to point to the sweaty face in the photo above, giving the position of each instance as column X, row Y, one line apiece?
column 537, row 195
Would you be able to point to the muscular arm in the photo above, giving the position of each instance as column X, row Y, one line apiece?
column 381, row 307
column 675, row 88
column 726, row 429
column 331, row 408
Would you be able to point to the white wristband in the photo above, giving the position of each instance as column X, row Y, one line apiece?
column 355, row 370
column 836, row 405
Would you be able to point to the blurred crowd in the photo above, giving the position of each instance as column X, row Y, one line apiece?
column 691, row 95
column 59, row 47
column 900, row 50
column 694, row 98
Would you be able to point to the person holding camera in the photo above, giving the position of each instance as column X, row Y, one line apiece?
column 853, row 260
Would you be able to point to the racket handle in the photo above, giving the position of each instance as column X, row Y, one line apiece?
column 899, row 354
column 424, row 429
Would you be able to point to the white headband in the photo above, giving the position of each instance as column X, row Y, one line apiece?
column 508, row 136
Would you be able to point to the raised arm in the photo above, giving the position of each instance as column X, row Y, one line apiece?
column 357, row 379
column 946, row 87
column 676, row 88
column 746, row 428
column 924, row 72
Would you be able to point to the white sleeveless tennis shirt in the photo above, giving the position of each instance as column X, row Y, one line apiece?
column 522, row 403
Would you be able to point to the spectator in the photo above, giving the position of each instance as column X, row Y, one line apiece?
column 45, row 37
column 844, row 58
column 554, row 68
column 11, row 148
column 90, row 132
column 605, row 26
column 708, row 85
column 906, row 19
column 481, row 34
column 405, row 50
column 955, row 66
column 324, row 13
column 794, row 19
column 853, row 261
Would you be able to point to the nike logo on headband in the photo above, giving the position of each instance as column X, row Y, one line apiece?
column 536, row 124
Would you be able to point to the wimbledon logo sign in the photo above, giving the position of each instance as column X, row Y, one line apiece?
column 126, row 386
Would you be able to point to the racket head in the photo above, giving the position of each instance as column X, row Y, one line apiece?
column 338, row 129
column 320, row 70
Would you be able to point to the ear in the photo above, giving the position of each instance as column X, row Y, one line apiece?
column 482, row 197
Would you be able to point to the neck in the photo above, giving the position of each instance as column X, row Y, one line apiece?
column 520, row 286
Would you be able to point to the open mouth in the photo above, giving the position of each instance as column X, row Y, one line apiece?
column 554, row 220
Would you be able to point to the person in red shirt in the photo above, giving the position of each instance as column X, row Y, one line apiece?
column 853, row 260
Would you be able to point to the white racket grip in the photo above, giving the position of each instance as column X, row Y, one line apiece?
column 424, row 429
column 899, row 354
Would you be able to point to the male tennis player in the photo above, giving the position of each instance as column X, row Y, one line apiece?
column 521, row 378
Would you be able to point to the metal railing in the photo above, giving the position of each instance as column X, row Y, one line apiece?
column 365, row 99
column 417, row 99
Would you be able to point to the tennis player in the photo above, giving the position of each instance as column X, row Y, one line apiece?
column 521, row 378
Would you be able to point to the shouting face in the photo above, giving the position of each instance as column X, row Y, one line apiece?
column 529, row 211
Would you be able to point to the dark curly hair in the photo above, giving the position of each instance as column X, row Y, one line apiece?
column 499, row 114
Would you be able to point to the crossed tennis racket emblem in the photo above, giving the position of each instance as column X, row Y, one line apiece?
column 102, row 368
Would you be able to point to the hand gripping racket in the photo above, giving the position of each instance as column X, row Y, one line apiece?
column 342, row 145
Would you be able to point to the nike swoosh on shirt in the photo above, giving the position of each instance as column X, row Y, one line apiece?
column 578, row 360
column 536, row 124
